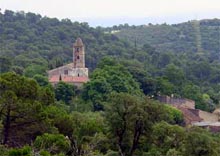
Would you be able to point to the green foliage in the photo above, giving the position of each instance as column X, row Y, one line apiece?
column 25, row 151
column 53, row 143
column 200, row 142
column 47, row 95
column 64, row 92
column 163, row 60
column 170, row 51
column 177, row 37
column 164, row 86
column 32, row 44
column 130, row 118
column 173, row 152
column 38, row 43
column 22, row 109
column 166, row 137
column 107, row 79
column 5, row 64
column 96, row 91
column 30, row 71
column 87, row 124
column 87, row 133
column 175, row 116
column 175, row 75
column 41, row 80
column 44, row 153
column 193, row 92
column 3, row 150
column 112, row 153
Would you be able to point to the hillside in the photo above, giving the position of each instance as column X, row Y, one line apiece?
column 191, row 36
column 117, row 111
column 30, row 39
column 165, row 59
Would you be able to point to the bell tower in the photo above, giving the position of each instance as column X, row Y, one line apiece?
column 78, row 54
column 75, row 72
column 79, row 69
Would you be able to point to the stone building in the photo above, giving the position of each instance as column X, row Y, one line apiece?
column 74, row 73
column 193, row 116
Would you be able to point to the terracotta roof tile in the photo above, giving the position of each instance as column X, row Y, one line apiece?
column 68, row 79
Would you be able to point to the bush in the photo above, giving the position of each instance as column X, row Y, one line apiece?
column 25, row 151
column 53, row 143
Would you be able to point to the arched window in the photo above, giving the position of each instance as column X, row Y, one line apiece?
column 77, row 57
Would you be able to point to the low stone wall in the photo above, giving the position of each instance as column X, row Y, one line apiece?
column 177, row 101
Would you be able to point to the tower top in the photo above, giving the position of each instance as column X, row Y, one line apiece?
column 78, row 54
column 78, row 42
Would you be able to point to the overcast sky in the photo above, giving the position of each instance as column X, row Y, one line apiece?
column 110, row 12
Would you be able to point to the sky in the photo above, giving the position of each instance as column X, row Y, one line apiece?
column 115, row 12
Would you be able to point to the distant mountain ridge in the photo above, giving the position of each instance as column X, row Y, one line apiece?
column 181, row 37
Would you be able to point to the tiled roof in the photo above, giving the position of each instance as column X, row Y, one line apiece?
column 68, row 79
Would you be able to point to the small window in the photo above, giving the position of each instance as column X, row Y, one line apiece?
column 77, row 57
column 78, row 74
column 77, row 49
column 65, row 72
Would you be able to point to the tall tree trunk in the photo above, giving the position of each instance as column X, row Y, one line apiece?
column 7, row 125
column 137, row 133
column 121, row 134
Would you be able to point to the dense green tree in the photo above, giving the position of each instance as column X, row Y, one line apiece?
column 127, row 120
column 5, row 64
column 201, row 70
column 164, row 87
column 166, row 137
column 34, row 70
column 174, row 116
column 64, row 92
column 41, row 80
column 164, row 59
column 130, row 119
column 22, row 110
column 175, row 75
column 24, row 151
column 193, row 92
column 137, row 70
column 53, row 143
column 87, row 134
column 107, row 79
column 18, row 70
column 200, row 143
column 96, row 91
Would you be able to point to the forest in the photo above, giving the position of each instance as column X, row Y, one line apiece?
column 116, row 113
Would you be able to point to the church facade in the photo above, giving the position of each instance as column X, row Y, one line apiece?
column 74, row 73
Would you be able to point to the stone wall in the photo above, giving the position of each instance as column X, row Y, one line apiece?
column 69, row 70
column 79, row 72
column 60, row 70
column 177, row 101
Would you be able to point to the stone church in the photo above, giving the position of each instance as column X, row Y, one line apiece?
column 74, row 73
